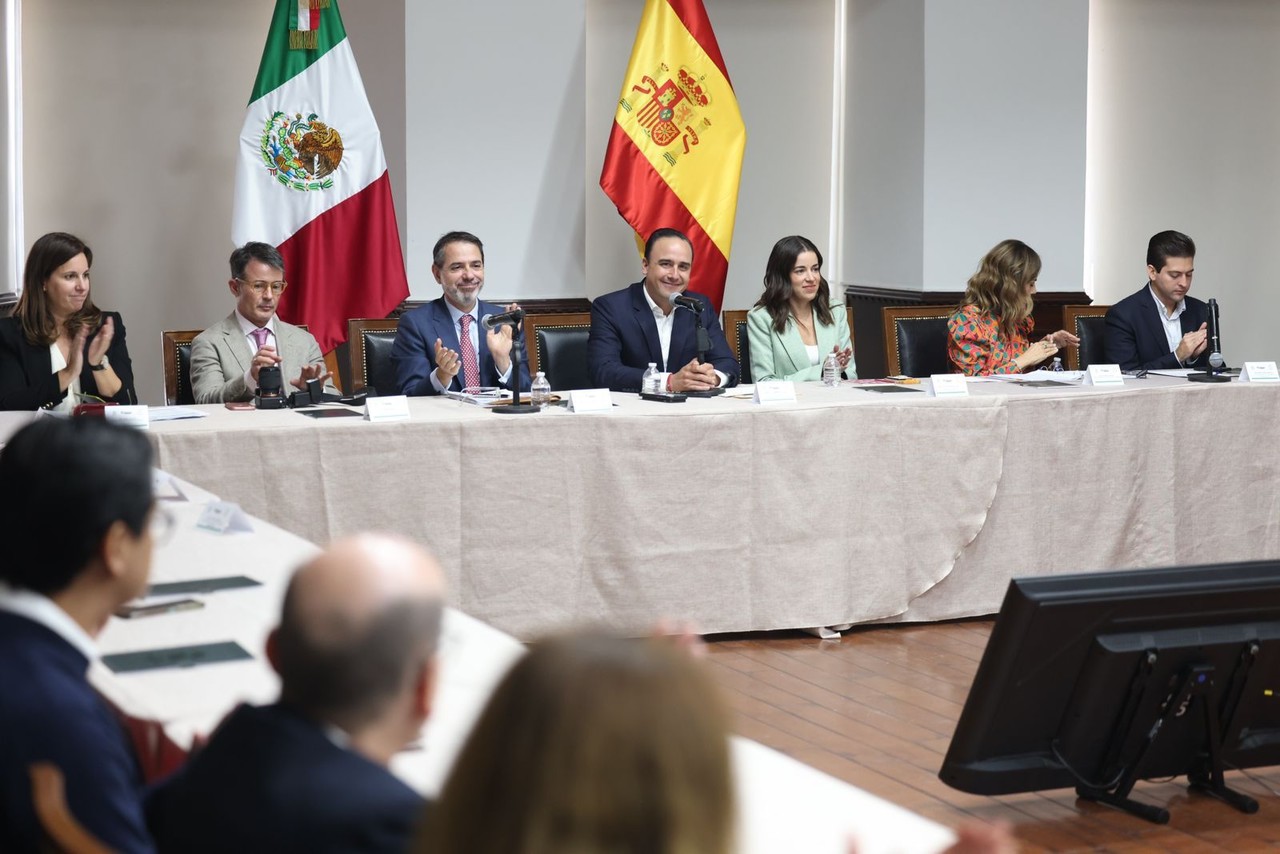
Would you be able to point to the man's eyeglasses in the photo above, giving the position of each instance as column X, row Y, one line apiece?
column 261, row 287
column 161, row 524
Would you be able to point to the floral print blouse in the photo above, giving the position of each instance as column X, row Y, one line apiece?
column 977, row 347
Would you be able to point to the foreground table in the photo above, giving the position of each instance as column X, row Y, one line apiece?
column 846, row 507
column 783, row 805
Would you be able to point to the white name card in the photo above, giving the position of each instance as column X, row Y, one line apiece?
column 590, row 400
column 1259, row 372
column 949, row 385
column 128, row 416
column 223, row 517
column 1103, row 375
column 391, row 408
column 775, row 391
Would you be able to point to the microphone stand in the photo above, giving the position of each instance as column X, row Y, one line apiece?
column 515, row 407
column 1213, row 373
column 703, row 339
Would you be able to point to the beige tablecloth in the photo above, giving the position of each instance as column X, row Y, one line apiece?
column 846, row 507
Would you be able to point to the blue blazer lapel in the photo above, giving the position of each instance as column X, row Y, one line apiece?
column 647, row 327
column 442, row 326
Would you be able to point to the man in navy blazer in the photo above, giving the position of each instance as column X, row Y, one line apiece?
column 1160, row 326
column 355, row 650
column 640, row 324
column 435, row 342
column 76, row 515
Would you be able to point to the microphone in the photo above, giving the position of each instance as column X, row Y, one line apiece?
column 489, row 321
column 680, row 300
column 1215, row 342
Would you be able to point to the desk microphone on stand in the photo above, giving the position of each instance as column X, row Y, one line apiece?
column 1214, row 372
column 684, row 301
column 515, row 407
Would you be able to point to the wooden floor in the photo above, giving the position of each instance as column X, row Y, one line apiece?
column 877, row 710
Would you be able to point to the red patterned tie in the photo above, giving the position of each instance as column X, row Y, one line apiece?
column 470, row 367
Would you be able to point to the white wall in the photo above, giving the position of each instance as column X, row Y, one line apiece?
column 1183, row 130
column 965, row 126
column 495, row 106
column 132, row 112
column 780, row 59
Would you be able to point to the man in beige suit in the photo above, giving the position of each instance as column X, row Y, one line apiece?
column 226, row 357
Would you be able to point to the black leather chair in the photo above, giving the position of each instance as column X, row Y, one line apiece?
column 915, row 340
column 735, row 333
column 1089, row 324
column 177, row 366
column 556, row 344
column 370, row 341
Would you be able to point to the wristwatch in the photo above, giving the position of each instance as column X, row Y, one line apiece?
column 102, row 366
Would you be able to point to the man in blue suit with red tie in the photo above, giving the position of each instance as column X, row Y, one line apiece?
column 640, row 324
column 76, row 519
column 442, row 345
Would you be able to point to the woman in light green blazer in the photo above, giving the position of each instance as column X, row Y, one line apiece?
column 792, row 327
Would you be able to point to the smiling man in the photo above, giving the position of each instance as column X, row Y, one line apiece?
column 639, row 324
column 441, row 346
column 226, row 357
column 1160, row 326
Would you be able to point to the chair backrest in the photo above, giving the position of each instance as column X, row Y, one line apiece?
column 556, row 344
column 371, row 340
column 1088, row 323
column 915, row 340
column 177, row 366
column 61, row 830
column 735, row 332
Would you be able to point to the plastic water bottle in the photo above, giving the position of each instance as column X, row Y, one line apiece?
column 649, row 385
column 540, row 390
column 831, row 371
column 1057, row 364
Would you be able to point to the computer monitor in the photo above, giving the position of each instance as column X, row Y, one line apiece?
column 1101, row 679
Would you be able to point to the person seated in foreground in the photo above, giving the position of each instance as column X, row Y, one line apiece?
column 356, row 653
column 640, row 324
column 58, row 347
column 76, row 518
column 793, row 328
column 990, row 333
column 1160, row 326
column 227, row 357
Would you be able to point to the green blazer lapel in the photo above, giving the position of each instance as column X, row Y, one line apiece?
column 793, row 347
column 828, row 336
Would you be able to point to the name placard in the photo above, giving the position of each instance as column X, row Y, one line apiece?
column 1259, row 372
column 1103, row 375
column 223, row 517
column 128, row 416
column 391, row 408
column 590, row 400
column 949, row 385
column 775, row 391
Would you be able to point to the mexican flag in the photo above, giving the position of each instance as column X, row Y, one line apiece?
column 311, row 177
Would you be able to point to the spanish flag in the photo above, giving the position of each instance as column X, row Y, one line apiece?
column 675, row 151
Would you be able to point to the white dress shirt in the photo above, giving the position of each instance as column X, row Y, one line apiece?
column 1172, row 321
column 665, row 324
column 474, row 334
column 39, row 608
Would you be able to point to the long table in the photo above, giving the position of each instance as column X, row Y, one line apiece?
column 783, row 805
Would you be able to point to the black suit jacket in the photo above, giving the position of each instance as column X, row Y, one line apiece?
column 624, row 340
column 1135, row 333
column 27, row 380
column 49, row 712
column 270, row 780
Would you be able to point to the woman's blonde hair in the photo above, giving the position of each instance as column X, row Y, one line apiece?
column 48, row 254
column 592, row 745
column 999, row 287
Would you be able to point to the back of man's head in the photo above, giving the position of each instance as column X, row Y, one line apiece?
column 359, row 625
column 63, row 484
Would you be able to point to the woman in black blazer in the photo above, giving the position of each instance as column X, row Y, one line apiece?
column 57, row 340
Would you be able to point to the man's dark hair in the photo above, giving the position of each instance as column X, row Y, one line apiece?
column 63, row 484
column 666, row 232
column 437, row 251
column 254, row 251
column 346, row 674
column 1166, row 245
